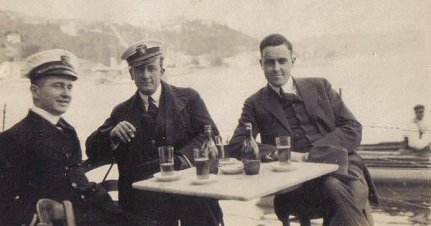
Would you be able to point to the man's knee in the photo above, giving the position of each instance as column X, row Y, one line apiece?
column 332, row 186
column 357, row 190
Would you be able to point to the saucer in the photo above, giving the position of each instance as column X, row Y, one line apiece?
column 228, row 161
column 232, row 169
column 276, row 166
column 175, row 176
column 204, row 181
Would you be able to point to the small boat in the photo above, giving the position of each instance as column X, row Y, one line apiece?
column 391, row 162
column 402, row 177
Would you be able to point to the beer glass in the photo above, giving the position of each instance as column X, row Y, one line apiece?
column 221, row 143
column 283, row 145
column 166, row 159
column 201, row 163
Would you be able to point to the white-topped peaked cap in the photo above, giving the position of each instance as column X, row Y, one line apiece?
column 142, row 52
column 51, row 62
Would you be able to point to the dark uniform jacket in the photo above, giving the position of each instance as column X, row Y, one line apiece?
column 327, row 112
column 38, row 160
column 181, row 116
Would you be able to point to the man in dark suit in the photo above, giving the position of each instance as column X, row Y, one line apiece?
column 322, row 130
column 157, row 115
column 40, row 157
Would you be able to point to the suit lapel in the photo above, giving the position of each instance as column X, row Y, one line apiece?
column 309, row 95
column 170, row 111
column 271, row 103
column 136, row 110
column 49, row 132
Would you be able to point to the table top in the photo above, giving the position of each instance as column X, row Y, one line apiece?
column 239, row 186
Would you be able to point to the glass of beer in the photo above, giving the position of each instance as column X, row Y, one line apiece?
column 201, row 163
column 166, row 159
column 221, row 143
column 283, row 145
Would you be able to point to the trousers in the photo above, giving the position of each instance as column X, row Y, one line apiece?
column 339, row 202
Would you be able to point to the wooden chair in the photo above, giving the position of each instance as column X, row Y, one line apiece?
column 52, row 213
column 108, row 185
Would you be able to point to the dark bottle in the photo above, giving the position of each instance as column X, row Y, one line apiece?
column 250, row 152
column 210, row 147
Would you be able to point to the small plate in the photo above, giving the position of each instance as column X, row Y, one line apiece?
column 205, row 181
column 276, row 166
column 175, row 176
column 228, row 161
column 232, row 169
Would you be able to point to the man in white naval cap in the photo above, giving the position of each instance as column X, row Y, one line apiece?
column 158, row 114
column 40, row 156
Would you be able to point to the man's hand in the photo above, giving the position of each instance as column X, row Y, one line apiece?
column 124, row 131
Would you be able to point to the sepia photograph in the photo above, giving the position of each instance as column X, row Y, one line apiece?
column 215, row 113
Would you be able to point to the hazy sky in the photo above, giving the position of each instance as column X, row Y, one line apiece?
column 255, row 17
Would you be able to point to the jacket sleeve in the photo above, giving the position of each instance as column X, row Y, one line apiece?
column 347, row 132
column 342, row 139
column 13, row 178
column 199, row 117
column 98, row 144
column 240, row 134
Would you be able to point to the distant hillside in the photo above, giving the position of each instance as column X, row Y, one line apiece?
column 371, row 44
column 96, row 41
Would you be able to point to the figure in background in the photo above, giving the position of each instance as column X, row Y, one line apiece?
column 158, row 114
column 12, row 49
column 419, row 133
column 322, row 130
column 40, row 156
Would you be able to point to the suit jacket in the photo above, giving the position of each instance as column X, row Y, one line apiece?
column 182, row 115
column 40, row 161
column 327, row 111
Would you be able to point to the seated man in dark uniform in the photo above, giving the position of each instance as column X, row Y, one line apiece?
column 158, row 114
column 322, row 130
column 40, row 157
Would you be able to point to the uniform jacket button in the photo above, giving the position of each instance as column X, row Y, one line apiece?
column 74, row 185
column 82, row 196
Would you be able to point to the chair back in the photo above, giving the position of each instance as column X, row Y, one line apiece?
column 51, row 212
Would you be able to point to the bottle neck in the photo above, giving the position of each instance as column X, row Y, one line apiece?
column 250, row 132
column 209, row 133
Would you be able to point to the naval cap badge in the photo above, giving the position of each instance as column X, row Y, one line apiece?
column 65, row 59
column 141, row 50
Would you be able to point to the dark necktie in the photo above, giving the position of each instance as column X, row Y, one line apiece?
column 287, row 96
column 152, row 108
column 151, row 104
column 63, row 126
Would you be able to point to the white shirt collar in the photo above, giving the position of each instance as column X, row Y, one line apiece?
column 156, row 96
column 288, row 87
column 53, row 119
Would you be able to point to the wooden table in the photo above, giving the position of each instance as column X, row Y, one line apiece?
column 239, row 186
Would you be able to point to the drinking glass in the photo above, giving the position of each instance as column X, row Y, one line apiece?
column 166, row 159
column 283, row 145
column 201, row 163
column 221, row 144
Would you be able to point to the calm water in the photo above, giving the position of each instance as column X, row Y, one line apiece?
column 372, row 93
